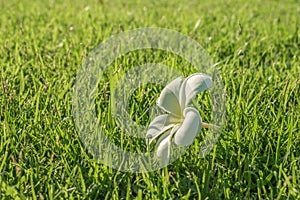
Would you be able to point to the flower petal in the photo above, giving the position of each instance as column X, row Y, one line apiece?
column 190, row 127
column 164, row 147
column 193, row 85
column 159, row 125
column 169, row 97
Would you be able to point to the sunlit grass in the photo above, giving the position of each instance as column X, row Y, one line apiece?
column 42, row 45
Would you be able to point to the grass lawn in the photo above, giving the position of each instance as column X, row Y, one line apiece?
column 257, row 48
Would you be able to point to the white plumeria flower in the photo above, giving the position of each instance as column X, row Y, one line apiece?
column 180, row 121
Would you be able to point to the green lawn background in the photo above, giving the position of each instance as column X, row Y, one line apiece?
column 256, row 43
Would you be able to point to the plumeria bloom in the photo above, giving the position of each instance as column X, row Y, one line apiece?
column 181, row 121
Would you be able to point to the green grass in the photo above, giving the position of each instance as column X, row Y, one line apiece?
column 42, row 45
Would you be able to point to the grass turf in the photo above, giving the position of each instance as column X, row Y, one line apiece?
column 256, row 43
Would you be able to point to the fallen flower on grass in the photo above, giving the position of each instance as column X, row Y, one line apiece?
column 181, row 121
